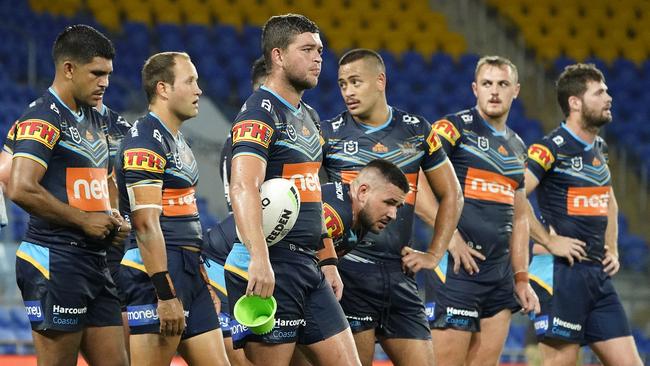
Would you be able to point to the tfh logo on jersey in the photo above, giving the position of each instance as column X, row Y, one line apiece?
column 447, row 130
column 144, row 159
column 87, row 189
column 305, row 177
column 588, row 201
column 333, row 221
column 542, row 155
column 433, row 141
column 252, row 131
column 38, row 130
column 489, row 186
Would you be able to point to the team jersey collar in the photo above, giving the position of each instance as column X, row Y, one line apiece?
column 78, row 117
column 176, row 137
column 588, row 146
column 495, row 132
column 103, row 111
column 372, row 129
column 294, row 110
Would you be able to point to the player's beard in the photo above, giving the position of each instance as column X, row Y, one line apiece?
column 367, row 224
column 593, row 118
column 300, row 83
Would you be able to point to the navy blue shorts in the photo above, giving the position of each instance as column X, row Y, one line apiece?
column 66, row 290
column 380, row 296
column 184, row 268
column 217, row 280
column 579, row 303
column 460, row 301
column 307, row 308
column 114, row 256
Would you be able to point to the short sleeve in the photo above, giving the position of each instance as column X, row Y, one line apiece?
column 36, row 135
column 144, row 160
column 540, row 159
column 449, row 134
column 253, row 133
column 434, row 154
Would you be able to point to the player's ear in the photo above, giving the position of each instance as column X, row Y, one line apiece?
column 475, row 88
column 575, row 103
column 276, row 57
column 381, row 81
column 363, row 192
column 162, row 89
column 68, row 69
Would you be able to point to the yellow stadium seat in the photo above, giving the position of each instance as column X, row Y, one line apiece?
column 426, row 47
column 38, row 6
column 454, row 44
column 576, row 49
column 635, row 50
column 166, row 11
column 109, row 17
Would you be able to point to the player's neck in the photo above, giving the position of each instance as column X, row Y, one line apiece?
column 65, row 96
column 285, row 90
column 580, row 129
column 169, row 119
column 498, row 123
column 377, row 117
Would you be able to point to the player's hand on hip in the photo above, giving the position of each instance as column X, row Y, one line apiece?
column 569, row 248
column 610, row 262
column 98, row 225
column 261, row 279
column 415, row 260
column 464, row 255
column 332, row 277
column 171, row 317
column 527, row 298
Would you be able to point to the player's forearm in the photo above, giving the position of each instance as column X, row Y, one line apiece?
column 40, row 203
column 248, row 217
column 426, row 204
column 519, row 245
column 113, row 193
column 451, row 206
column 537, row 231
column 611, row 233
column 152, row 245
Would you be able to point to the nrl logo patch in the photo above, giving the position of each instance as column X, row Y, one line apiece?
column 74, row 133
column 291, row 132
column 351, row 147
column 576, row 163
column 483, row 143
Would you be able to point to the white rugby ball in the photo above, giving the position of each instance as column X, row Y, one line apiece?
column 280, row 208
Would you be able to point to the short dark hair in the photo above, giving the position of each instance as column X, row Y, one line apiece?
column 391, row 172
column 573, row 83
column 81, row 43
column 280, row 30
column 362, row 53
column 258, row 72
column 159, row 67
column 497, row 61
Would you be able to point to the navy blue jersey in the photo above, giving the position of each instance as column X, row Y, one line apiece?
column 490, row 166
column 337, row 207
column 288, row 140
column 118, row 127
column 224, row 170
column 405, row 140
column 151, row 155
column 574, row 186
column 74, row 150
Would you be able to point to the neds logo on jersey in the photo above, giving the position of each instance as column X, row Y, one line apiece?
column 305, row 177
column 542, row 155
column 144, row 159
column 37, row 130
column 87, row 189
column 252, row 131
column 588, row 201
column 489, row 186
column 447, row 130
column 179, row 202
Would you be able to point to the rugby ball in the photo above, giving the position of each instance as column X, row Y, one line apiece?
column 280, row 208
